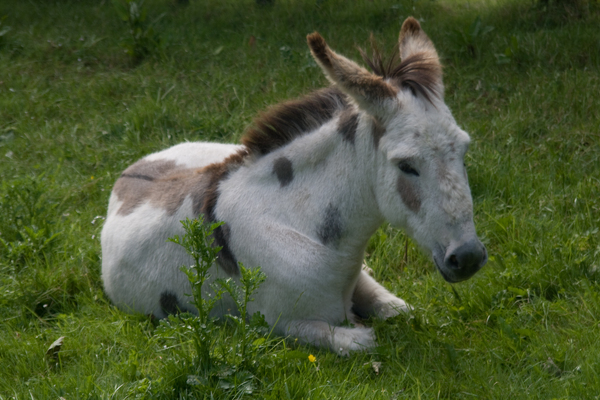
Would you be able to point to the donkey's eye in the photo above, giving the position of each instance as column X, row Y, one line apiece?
column 407, row 169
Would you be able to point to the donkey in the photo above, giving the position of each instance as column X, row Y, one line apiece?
column 301, row 196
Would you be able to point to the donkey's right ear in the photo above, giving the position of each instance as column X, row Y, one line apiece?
column 368, row 90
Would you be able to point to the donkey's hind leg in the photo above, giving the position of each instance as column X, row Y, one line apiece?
column 339, row 339
column 370, row 298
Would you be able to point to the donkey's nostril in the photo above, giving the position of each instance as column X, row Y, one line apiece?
column 453, row 261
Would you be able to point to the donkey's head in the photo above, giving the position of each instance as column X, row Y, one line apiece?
column 421, row 182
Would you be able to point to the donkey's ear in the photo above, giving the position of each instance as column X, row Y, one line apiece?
column 425, row 64
column 368, row 90
column 413, row 40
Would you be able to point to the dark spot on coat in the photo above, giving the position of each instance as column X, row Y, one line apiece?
column 377, row 130
column 282, row 167
column 348, row 124
column 330, row 230
column 225, row 258
column 408, row 193
column 169, row 303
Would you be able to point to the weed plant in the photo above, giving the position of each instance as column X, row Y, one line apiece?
column 197, row 242
column 218, row 365
column 74, row 114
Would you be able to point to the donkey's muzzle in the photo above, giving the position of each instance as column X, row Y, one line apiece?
column 464, row 261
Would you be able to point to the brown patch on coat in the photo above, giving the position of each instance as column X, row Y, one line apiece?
column 348, row 124
column 284, row 122
column 377, row 131
column 161, row 183
column 408, row 193
column 149, row 170
column 282, row 168
column 165, row 186
column 217, row 173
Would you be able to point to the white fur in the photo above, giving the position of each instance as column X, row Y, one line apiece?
column 195, row 154
column 310, row 285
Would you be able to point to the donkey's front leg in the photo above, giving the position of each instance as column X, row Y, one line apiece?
column 340, row 339
column 370, row 298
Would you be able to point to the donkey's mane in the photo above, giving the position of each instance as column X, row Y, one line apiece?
column 284, row 122
column 419, row 73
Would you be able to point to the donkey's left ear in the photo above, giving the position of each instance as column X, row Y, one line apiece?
column 413, row 40
column 368, row 90
column 414, row 43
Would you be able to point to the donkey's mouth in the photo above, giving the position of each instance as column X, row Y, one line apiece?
column 438, row 260
column 447, row 275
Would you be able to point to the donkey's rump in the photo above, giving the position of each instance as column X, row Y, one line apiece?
column 140, row 269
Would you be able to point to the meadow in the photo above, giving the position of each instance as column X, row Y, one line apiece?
column 81, row 98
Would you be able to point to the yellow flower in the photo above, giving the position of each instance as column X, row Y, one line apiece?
column 312, row 358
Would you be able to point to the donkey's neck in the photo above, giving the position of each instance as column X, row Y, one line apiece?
column 320, row 185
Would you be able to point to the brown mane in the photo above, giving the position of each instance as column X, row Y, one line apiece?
column 284, row 122
column 419, row 72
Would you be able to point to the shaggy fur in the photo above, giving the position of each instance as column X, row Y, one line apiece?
column 285, row 122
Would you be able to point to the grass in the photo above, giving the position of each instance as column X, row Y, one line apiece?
column 75, row 110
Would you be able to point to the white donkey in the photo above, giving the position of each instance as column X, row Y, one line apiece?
column 312, row 181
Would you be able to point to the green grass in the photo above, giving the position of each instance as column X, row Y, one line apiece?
column 75, row 111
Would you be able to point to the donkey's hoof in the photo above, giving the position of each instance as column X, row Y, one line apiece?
column 349, row 340
column 393, row 307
